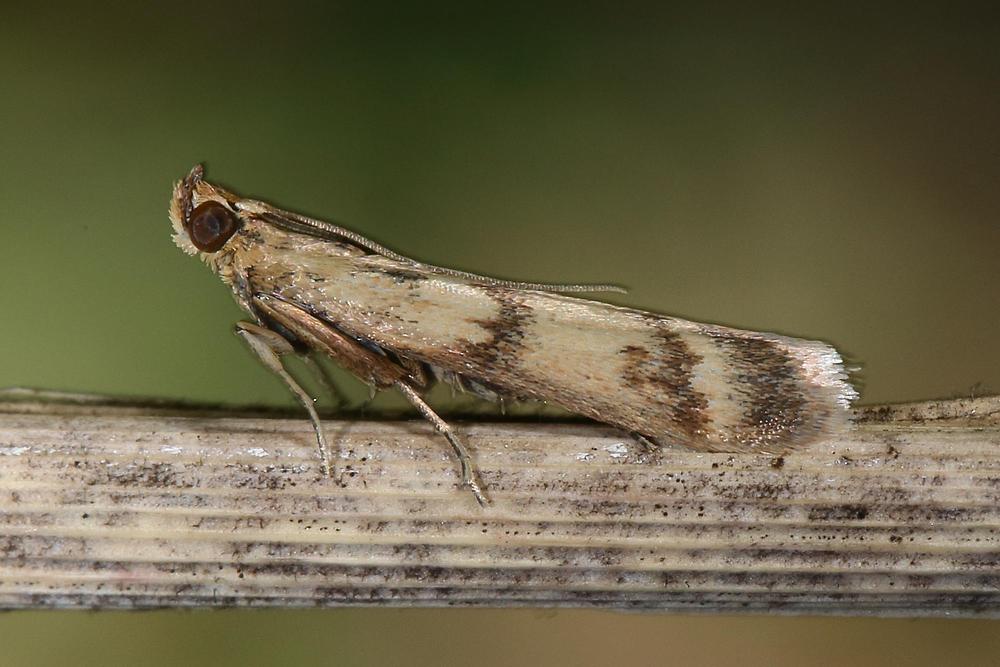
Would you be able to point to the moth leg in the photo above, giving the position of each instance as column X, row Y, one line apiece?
column 647, row 444
column 323, row 376
column 470, row 477
column 377, row 370
column 269, row 348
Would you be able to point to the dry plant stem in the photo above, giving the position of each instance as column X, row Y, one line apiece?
column 101, row 507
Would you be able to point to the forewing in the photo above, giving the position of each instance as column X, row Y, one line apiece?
column 671, row 380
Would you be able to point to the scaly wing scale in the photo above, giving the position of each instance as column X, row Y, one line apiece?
column 698, row 385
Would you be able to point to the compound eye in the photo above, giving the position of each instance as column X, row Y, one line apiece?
column 210, row 225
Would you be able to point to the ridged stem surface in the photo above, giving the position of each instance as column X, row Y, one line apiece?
column 112, row 507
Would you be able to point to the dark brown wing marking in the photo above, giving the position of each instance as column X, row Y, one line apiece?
column 411, row 279
column 769, row 381
column 665, row 372
column 507, row 331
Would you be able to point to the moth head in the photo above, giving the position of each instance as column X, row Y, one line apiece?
column 203, row 215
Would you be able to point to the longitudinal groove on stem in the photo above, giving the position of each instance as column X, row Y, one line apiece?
column 104, row 506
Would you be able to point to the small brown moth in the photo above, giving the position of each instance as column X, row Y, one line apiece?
column 315, row 288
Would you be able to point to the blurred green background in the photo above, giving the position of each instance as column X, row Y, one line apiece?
column 824, row 172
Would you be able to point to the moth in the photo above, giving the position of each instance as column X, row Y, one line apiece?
column 315, row 288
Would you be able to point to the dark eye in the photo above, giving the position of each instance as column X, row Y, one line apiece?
column 211, row 225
